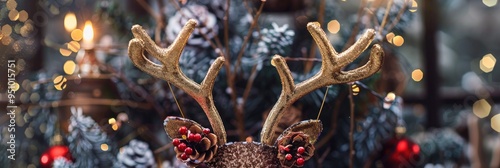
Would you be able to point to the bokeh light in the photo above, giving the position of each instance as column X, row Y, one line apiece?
column 490, row 3
column 104, row 147
column 114, row 127
column 389, row 37
column 65, row 52
column 355, row 89
column 487, row 63
column 333, row 26
column 77, row 34
column 414, row 6
column 11, row 4
column 14, row 86
column 60, row 82
column 13, row 15
column 29, row 132
column 70, row 21
column 26, row 30
column 417, row 75
column 35, row 97
column 398, row 40
column 74, row 46
column 6, row 30
column 23, row 16
column 481, row 108
column 69, row 67
column 112, row 121
column 495, row 122
column 6, row 40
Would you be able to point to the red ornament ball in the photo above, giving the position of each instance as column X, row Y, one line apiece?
column 53, row 153
column 188, row 151
column 400, row 151
column 176, row 142
column 300, row 161
column 181, row 147
column 288, row 157
column 183, row 130
column 206, row 130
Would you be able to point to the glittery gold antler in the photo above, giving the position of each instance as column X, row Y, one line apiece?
column 330, row 73
column 171, row 72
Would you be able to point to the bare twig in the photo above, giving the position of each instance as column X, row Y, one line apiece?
column 247, row 37
column 158, row 17
column 239, row 111
column 355, row 30
column 161, row 22
column 398, row 17
column 137, row 90
column 386, row 14
column 351, row 129
column 312, row 50
column 248, row 87
column 495, row 161
column 324, row 155
column 476, row 141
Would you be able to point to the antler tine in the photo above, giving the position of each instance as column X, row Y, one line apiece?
column 171, row 72
column 329, row 74
column 371, row 67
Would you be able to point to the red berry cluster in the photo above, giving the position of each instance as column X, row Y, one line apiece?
column 289, row 151
column 188, row 141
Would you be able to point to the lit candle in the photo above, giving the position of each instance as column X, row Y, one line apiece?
column 88, row 36
column 87, row 62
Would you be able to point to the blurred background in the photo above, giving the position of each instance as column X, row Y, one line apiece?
column 82, row 103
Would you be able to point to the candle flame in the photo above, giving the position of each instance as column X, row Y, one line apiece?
column 88, row 32
column 70, row 21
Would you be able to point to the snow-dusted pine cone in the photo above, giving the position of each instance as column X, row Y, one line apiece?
column 207, row 25
column 136, row 154
column 294, row 149
column 215, row 6
column 275, row 40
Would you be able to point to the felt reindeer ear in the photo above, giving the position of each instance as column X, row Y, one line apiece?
column 311, row 128
column 174, row 125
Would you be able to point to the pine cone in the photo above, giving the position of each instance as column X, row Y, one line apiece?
column 207, row 25
column 136, row 154
column 195, row 145
column 294, row 149
column 275, row 40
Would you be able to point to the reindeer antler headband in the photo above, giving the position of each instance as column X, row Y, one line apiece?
column 195, row 144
